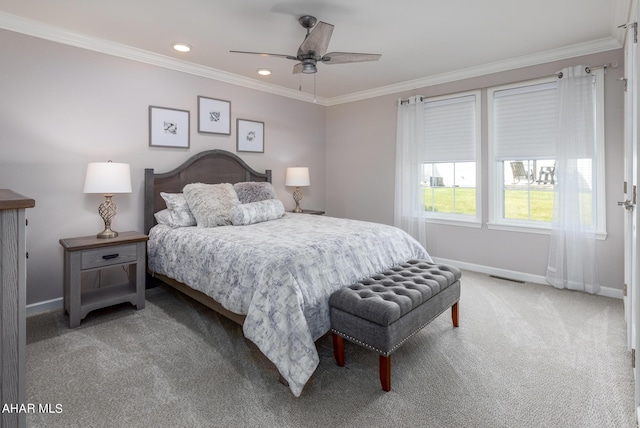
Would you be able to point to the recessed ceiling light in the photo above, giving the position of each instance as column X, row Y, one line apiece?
column 182, row 47
column 264, row 71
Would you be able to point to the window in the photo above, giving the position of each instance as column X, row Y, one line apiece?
column 522, row 151
column 449, row 171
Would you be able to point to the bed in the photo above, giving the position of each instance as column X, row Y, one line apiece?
column 272, row 277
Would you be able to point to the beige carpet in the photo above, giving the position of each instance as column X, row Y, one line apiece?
column 525, row 355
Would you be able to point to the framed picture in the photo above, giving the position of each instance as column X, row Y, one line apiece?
column 214, row 116
column 168, row 127
column 250, row 136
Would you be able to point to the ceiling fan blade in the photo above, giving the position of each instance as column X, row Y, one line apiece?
column 297, row 69
column 317, row 41
column 267, row 54
column 347, row 57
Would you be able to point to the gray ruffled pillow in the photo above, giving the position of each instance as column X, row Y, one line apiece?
column 181, row 215
column 211, row 204
column 254, row 191
column 256, row 212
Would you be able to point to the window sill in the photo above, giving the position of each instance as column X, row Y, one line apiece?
column 475, row 223
column 540, row 230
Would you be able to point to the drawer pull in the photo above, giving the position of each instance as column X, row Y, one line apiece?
column 110, row 256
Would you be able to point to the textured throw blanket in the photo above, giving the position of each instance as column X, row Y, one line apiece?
column 280, row 274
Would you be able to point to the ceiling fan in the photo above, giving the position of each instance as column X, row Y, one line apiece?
column 314, row 47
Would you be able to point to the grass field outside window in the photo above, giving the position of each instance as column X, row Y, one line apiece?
column 458, row 200
column 534, row 205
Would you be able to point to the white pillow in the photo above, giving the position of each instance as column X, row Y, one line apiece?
column 211, row 204
column 164, row 217
column 181, row 215
column 256, row 212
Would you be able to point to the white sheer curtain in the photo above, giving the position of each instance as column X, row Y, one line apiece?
column 410, row 148
column 572, row 251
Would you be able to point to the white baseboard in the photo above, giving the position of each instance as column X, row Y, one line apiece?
column 50, row 305
column 519, row 276
column 46, row 306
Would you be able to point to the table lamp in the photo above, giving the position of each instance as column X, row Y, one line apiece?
column 297, row 176
column 107, row 178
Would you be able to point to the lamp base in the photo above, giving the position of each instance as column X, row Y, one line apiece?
column 106, row 234
column 107, row 211
column 297, row 196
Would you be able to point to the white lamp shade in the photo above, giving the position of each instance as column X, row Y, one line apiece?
column 107, row 177
column 297, row 176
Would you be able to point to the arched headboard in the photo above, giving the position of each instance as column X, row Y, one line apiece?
column 211, row 167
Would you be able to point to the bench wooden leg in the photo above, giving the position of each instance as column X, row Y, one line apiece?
column 454, row 314
column 338, row 349
column 385, row 372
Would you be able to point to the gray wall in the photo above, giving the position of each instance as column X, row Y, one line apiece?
column 361, row 162
column 62, row 107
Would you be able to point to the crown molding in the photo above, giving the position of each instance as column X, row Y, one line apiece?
column 600, row 45
column 56, row 34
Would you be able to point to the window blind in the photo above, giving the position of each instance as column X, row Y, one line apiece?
column 525, row 122
column 450, row 129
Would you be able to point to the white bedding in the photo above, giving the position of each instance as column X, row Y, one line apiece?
column 280, row 274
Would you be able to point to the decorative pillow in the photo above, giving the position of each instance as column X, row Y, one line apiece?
column 254, row 191
column 181, row 215
column 211, row 203
column 256, row 212
column 164, row 217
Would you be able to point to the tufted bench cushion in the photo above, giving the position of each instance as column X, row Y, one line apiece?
column 381, row 312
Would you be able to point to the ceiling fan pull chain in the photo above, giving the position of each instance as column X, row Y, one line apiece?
column 314, row 87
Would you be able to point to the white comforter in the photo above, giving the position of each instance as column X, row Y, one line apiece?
column 280, row 274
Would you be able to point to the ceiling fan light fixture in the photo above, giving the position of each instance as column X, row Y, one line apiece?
column 264, row 71
column 309, row 68
column 182, row 47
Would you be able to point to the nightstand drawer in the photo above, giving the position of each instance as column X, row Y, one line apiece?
column 108, row 256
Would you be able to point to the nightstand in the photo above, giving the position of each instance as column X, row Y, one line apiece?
column 315, row 212
column 88, row 253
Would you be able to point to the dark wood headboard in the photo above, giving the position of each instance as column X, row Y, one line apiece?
column 211, row 167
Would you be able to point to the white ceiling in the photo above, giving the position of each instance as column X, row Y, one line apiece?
column 421, row 41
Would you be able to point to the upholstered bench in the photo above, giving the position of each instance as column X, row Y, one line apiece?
column 381, row 312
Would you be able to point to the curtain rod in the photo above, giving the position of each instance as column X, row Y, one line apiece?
column 588, row 69
column 407, row 100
